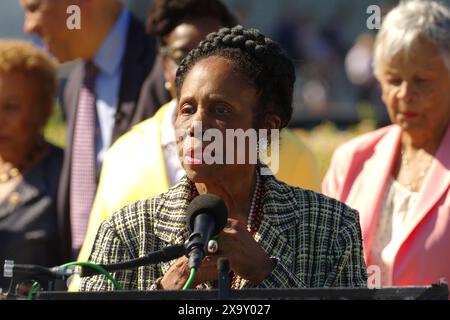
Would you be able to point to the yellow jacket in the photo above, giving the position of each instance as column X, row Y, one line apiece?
column 134, row 169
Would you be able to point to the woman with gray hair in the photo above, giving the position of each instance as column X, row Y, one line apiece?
column 398, row 177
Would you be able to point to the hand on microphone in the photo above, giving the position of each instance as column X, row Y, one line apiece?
column 247, row 259
column 176, row 277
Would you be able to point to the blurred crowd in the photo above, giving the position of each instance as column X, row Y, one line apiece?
column 334, row 76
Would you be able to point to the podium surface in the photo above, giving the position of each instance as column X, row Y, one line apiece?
column 433, row 292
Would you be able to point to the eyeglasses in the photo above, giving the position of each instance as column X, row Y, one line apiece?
column 176, row 55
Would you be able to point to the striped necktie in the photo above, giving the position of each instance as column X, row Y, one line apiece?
column 83, row 181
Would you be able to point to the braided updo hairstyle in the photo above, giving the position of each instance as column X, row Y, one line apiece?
column 259, row 59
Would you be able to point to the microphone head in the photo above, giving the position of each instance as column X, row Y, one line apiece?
column 210, row 204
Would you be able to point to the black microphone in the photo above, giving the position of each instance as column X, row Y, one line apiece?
column 206, row 217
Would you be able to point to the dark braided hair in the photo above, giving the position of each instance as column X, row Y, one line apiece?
column 258, row 58
column 165, row 15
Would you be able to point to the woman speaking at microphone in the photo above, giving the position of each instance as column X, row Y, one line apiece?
column 277, row 236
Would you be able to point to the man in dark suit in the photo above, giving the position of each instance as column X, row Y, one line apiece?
column 100, row 97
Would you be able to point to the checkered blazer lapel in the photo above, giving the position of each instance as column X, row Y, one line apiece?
column 169, row 216
column 278, row 223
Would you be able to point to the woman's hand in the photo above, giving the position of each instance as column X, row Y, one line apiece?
column 178, row 274
column 247, row 258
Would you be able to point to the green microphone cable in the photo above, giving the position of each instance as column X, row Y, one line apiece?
column 97, row 267
column 190, row 279
column 36, row 286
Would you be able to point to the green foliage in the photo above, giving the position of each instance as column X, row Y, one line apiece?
column 324, row 139
column 55, row 131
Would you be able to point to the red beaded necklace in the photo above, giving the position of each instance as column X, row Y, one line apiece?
column 254, row 221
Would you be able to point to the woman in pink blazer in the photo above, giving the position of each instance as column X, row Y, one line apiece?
column 398, row 177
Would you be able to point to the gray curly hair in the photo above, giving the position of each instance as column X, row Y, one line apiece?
column 409, row 21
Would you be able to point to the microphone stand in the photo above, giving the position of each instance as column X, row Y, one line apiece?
column 164, row 255
column 223, row 266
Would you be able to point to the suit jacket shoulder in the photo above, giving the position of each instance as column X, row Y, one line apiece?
column 348, row 160
column 363, row 143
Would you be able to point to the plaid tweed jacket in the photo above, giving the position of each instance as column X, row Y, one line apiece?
column 315, row 240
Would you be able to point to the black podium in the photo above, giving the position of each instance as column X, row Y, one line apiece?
column 433, row 292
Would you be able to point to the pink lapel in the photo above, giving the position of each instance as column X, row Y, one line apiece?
column 436, row 183
column 368, row 193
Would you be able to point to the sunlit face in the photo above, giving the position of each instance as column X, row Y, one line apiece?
column 185, row 37
column 21, row 118
column 218, row 97
column 415, row 89
column 47, row 19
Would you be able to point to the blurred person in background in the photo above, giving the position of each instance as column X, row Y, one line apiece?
column 359, row 71
column 29, row 166
column 398, row 177
column 144, row 162
column 100, row 97
column 317, row 48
